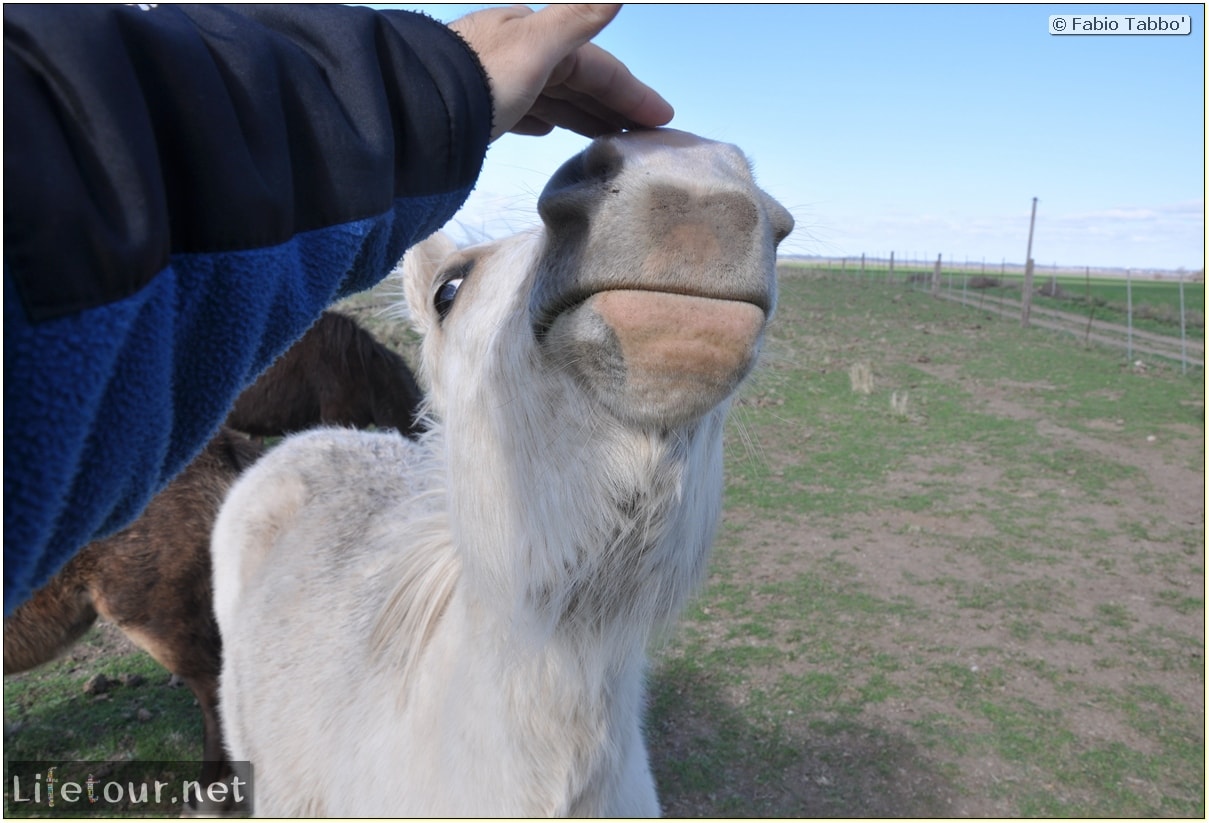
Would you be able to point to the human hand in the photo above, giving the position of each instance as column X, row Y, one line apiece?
column 544, row 73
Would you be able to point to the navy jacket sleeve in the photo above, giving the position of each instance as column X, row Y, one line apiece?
column 185, row 190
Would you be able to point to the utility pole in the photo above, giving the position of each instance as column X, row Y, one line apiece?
column 1026, row 298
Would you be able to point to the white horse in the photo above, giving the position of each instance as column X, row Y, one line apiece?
column 459, row 627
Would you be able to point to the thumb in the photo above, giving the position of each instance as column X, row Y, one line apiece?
column 573, row 24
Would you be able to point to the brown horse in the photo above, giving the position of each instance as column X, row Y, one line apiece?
column 337, row 374
column 152, row 580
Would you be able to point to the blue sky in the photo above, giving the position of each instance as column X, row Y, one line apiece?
column 920, row 129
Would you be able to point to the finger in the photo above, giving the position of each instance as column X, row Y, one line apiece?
column 572, row 116
column 594, row 73
column 561, row 99
column 530, row 126
column 569, row 26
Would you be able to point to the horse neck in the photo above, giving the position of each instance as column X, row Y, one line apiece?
column 551, row 719
column 592, row 538
column 558, row 554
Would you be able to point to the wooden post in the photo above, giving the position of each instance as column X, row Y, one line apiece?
column 1183, row 331
column 890, row 273
column 862, row 266
column 1026, row 301
column 1090, row 305
column 1129, row 315
column 936, row 278
column 1026, row 294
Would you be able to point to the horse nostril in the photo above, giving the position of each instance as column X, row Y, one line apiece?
column 574, row 191
column 602, row 161
column 780, row 218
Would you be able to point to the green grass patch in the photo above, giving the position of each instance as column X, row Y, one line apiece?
column 48, row 716
column 1155, row 302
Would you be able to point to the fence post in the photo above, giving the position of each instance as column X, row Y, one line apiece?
column 1091, row 313
column 862, row 267
column 890, row 273
column 1129, row 315
column 936, row 278
column 1026, row 294
column 1183, row 337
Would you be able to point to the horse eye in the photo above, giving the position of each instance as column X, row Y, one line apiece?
column 443, row 302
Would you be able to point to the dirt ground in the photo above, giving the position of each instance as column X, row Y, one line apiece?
column 1093, row 628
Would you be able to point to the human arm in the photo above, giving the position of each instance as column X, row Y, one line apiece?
column 186, row 189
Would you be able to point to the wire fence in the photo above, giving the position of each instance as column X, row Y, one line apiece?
column 1155, row 313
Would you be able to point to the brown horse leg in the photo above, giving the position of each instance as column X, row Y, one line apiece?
column 215, row 766
column 47, row 624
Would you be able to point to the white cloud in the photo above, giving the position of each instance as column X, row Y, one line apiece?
column 1166, row 236
column 1191, row 211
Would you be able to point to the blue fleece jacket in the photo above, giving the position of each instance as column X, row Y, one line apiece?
column 185, row 190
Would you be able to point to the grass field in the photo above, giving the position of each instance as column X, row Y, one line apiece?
column 1144, row 292
column 1155, row 303
column 960, row 573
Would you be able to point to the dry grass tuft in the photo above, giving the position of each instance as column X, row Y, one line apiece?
column 900, row 404
column 861, row 375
